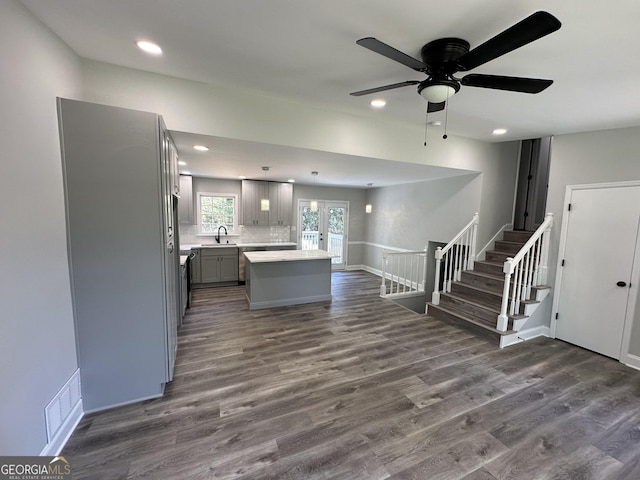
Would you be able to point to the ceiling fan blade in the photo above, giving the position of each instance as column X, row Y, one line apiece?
column 499, row 82
column 526, row 31
column 435, row 107
column 385, row 87
column 377, row 46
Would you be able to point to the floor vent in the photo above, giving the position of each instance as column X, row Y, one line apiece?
column 57, row 411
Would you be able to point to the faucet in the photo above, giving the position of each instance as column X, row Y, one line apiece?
column 218, row 234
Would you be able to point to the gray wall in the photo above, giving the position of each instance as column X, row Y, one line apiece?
column 593, row 157
column 37, row 342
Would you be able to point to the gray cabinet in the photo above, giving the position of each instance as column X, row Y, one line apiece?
column 196, row 276
column 281, row 203
column 253, row 192
column 218, row 265
column 185, row 203
column 280, row 196
column 123, row 259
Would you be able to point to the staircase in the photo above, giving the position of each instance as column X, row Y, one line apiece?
column 474, row 298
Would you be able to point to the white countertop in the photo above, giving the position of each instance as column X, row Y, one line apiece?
column 268, row 244
column 286, row 256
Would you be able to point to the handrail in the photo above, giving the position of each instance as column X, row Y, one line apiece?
column 528, row 268
column 459, row 255
column 405, row 270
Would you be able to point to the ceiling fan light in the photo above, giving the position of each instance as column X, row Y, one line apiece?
column 437, row 93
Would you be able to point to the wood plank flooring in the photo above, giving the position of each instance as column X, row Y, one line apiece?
column 362, row 388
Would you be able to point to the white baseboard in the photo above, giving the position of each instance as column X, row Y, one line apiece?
column 524, row 335
column 57, row 443
column 632, row 361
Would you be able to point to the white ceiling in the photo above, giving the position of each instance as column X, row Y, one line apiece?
column 305, row 50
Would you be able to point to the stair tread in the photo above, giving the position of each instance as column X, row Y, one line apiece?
column 458, row 313
column 480, row 289
column 472, row 302
column 482, row 305
column 489, row 262
column 485, row 275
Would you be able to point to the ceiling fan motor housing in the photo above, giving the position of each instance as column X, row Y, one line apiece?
column 444, row 51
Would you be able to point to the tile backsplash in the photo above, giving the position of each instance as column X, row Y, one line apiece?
column 247, row 234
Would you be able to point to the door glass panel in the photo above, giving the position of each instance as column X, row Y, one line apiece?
column 335, row 219
column 310, row 228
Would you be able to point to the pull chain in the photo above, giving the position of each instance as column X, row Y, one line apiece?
column 446, row 117
column 426, row 124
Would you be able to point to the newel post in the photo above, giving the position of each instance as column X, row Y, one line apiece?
column 503, row 318
column 383, row 285
column 542, row 276
column 474, row 238
column 435, row 297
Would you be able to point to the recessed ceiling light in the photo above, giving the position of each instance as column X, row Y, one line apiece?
column 499, row 131
column 378, row 103
column 201, row 148
column 182, row 163
column 149, row 47
column 291, row 180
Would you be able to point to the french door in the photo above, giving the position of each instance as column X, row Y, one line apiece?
column 323, row 225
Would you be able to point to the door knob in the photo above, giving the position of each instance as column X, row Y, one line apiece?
column 621, row 284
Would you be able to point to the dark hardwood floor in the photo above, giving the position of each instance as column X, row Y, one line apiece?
column 362, row 388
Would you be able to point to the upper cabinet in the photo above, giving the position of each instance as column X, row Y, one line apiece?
column 280, row 197
column 185, row 204
column 253, row 192
column 281, row 203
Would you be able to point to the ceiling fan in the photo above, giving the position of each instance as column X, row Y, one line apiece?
column 444, row 57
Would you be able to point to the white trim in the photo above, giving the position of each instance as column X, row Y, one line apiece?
column 377, row 245
column 60, row 439
column 236, row 206
column 524, row 335
column 632, row 361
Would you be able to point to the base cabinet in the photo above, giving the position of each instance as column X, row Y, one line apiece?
column 217, row 265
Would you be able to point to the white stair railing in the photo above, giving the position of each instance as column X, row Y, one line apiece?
column 456, row 256
column 405, row 272
column 528, row 268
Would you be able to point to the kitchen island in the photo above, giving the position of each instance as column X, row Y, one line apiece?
column 287, row 277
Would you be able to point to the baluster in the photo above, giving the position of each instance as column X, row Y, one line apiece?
column 530, row 269
column 411, row 272
column 536, row 274
column 467, row 250
column 383, row 285
column 515, row 289
column 526, row 287
column 474, row 236
column 451, row 275
column 459, row 259
column 423, row 277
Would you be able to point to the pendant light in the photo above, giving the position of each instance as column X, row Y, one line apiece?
column 313, row 205
column 264, row 202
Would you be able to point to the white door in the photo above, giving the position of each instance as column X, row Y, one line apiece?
column 324, row 227
column 601, row 238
